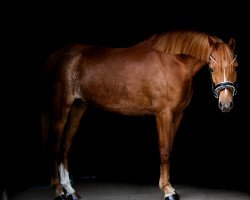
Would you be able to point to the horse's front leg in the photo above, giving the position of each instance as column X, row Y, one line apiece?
column 167, row 124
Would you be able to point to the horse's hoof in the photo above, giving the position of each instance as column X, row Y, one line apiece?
column 61, row 197
column 173, row 197
column 73, row 196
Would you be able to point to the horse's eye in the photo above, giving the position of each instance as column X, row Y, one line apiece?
column 211, row 69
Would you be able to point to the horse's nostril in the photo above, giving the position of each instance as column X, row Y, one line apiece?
column 231, row 104
column 226, row 106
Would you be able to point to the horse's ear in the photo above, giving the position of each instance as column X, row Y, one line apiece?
column 232, row 43
column 211, row 41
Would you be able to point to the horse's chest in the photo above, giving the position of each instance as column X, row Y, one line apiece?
column 179, row 94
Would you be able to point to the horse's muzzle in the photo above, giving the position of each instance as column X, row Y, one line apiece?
column 226, row 106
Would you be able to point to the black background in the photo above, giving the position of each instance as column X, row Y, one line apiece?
column 211, row 148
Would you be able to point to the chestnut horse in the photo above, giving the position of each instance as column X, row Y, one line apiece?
column 153, row 77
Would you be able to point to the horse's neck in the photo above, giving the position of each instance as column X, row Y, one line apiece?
column 194, row 65
column 198, row 67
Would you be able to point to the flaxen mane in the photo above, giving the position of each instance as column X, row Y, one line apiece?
column 191, row 43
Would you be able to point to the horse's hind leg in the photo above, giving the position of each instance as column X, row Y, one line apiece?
column 74, row 118
column 58, row 121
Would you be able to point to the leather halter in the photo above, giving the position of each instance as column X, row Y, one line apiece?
column 223, row 85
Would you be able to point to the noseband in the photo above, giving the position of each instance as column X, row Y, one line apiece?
column 223, row 85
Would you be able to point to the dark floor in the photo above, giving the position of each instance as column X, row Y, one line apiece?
column 109, row 190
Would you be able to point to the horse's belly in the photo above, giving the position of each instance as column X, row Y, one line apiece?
column 125, row 106
column 118, row 94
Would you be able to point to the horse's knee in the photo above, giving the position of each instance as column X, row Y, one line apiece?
column 164, row 156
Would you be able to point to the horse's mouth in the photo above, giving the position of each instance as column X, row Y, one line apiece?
column 224, row 109
column 226, row 106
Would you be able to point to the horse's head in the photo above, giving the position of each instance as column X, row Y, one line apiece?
column 222, row 65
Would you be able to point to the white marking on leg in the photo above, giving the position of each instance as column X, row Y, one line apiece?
column 65, row 181
column 168, row 194
column 168, row 191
